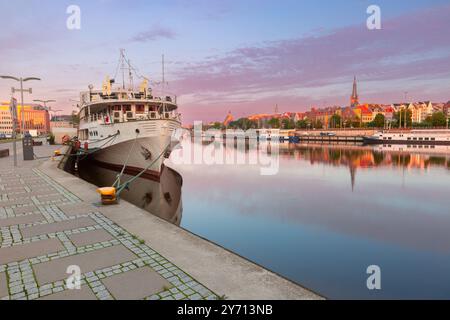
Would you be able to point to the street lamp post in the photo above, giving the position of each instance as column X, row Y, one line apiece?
column 45, row 103
column 49, row 109
column 21, row 90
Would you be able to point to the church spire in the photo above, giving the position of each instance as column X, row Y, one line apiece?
column 354, row 100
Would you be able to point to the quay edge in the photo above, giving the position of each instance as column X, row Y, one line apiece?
column 224, row 272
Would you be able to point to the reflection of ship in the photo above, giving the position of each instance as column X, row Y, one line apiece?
column 425, row 149
column 412, row 137
column 161, row 197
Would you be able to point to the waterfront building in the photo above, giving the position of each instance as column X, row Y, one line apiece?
column 364, row 113
column 446, row 109
column 420, row 111
column 35, row 116
column 6, row 121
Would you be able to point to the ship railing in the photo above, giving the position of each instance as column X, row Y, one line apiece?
column 96, row 96
column 152, row 115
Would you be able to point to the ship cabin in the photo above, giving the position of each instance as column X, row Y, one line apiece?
column 125, row 106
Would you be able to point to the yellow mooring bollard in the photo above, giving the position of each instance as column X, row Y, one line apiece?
column 56, row 153
column 108, row 195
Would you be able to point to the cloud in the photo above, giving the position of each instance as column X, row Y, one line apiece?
column 153, row 34
column 409, row 48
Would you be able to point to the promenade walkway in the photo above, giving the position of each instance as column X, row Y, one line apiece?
column 44, row 229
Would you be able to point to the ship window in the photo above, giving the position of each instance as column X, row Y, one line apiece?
column 414, row 138
column 390, row 138
column 432, row 139
column 140, row 108
column 420, row 139
column 409, row 138
column 126, row 108
column 427, row 139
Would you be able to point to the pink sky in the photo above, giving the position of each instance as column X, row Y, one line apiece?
column 411, row 53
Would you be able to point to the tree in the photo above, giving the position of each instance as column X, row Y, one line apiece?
column 287, row 124
column 301, row 124
column 274, row 123
column 217, row 125
column 335, row 121
column 378, row 122
column 402, row 120
column 356, row 122
column 438, row 119
column 318, row 124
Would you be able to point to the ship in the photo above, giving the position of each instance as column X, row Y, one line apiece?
column 410, row 137
column 126, row 129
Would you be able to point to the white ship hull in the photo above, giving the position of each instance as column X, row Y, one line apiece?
column 413, row 137
column 140, row 145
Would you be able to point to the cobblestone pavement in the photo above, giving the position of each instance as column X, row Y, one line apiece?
column 44, row 229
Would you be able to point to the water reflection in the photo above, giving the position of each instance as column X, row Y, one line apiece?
column 331, row 211
column 161, row 197
column 356, row 157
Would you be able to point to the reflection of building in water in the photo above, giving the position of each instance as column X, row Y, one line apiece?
column 362, row 157
column 161, row 197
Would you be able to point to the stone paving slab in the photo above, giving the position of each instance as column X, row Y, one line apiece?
column 136, row 284
column 90, row 237
column 15, row 202
column 29, row 218
column 29, row 232
column 18, row 195
column 51, row 198
column 29, row 250
column 85, row 293
column 74, row 209
column 25, row 209
column 3, row 285
column 56, row 270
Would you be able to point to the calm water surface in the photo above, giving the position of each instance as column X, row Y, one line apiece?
column 329, row 213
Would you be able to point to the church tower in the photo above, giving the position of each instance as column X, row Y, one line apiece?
column 354, row 100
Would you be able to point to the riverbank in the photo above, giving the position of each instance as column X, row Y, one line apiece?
column 58, row 220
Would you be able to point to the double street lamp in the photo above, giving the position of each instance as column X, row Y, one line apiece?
column 44, row 102
column 21, row 90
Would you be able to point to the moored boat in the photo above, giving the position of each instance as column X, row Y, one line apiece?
column 411, row 137
column 126, row 127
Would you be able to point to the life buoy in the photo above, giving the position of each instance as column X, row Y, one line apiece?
column 77, row 145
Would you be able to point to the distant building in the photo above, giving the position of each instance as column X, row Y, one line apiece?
column 61, row 124
column 364, row 113
column 62, row 121
column 228, row 119
column 35, row 116
column 420, row 111
column 446, row 109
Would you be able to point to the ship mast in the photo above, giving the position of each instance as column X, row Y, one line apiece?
column 163, row 86
column 122, row 62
